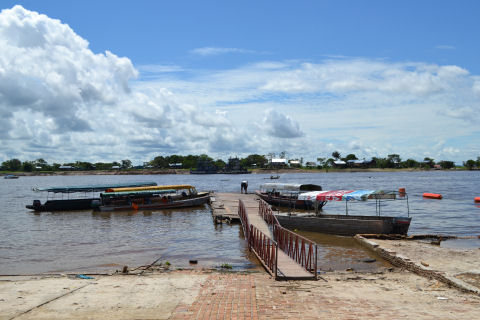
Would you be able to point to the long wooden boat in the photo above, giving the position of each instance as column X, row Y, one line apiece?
column 286, row 195
column 349, row 225
column 152, row 198
column 10, row 176
column 77, row 197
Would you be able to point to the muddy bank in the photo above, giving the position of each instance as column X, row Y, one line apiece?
column 159, row 293
column 204, row 294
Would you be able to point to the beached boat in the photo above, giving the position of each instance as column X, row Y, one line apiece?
column 10, row 176
column 286, row 195
column 152, row 198
column 345, row 224
column 77, row 197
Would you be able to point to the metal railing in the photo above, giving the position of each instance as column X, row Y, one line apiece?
column 300, row 249
column 264, row 248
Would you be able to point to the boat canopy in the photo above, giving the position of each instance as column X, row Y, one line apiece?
column 290, row 187
column 143, row 193
column 95, row 188
column 348, row 195
column 172, row 187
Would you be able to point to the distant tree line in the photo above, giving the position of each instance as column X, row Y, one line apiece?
column 251, row 161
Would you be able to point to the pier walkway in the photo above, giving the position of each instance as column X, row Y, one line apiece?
column 297, row 257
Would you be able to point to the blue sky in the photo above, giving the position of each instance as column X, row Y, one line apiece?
column 306, row 77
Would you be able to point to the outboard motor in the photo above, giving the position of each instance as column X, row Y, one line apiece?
column 37, row 204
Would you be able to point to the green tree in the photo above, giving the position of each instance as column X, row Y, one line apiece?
column 428, row 162
column 159, row 162
column 409, row 163
column 470, row 164
column 351, row 156
column 12, row 165
column 254, row 160
column 336, row 155
column 83, row 165
column 447, row 164
column 190, row 161
column 126, row 164
column 220, row 164
column 394, row 160
column 28, row 166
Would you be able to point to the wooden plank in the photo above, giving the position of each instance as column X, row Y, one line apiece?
column 226, row 205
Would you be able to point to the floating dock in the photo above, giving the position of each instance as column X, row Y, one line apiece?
column 225, row 205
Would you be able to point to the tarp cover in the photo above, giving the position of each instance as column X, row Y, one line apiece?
column 96, row 188
column 340, row 195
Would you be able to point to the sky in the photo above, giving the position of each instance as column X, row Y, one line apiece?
column 104, row 81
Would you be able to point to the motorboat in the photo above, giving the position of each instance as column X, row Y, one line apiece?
column 152, row 198
column 286, row 195
column 77, row 197
column 347, row 224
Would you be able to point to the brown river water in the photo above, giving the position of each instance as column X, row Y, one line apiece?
column 89, row 241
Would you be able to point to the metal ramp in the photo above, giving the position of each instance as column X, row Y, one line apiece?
column 284, row 254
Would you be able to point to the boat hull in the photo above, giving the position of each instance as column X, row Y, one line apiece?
column 64, row 205
column 190, row 202
column 346, row 225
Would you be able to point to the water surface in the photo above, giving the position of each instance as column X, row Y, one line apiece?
column 81, row 241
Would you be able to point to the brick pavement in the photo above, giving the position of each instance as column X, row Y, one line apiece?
column 258, row 296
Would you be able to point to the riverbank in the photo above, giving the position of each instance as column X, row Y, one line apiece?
column 187, row 171
column 158, row 293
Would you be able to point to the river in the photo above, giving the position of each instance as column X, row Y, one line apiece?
column 81, row 241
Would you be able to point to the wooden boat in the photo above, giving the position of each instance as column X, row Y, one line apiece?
column 349, row 225
column 152, row 198
column 76, row 197
column 286, row 195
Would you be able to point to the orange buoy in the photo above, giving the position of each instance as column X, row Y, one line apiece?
column 401, row 192
column 476, row 199
column 432, row 195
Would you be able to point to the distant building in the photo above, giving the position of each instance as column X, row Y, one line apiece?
column 234, row 166
column 66, row 168
column 310, row 164
column 360, row 163
column 176, row 165
column 339, row 164
column 116, row 167
column 294, row 163
column 277, row 163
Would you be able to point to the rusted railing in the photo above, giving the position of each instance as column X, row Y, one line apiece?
column 265, row 210
column 300, row 249
column 264, row 248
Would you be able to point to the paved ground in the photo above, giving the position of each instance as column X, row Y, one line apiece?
column 197, row 294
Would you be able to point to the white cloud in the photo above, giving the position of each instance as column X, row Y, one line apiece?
column 62, row 102
column 445, row 47
column 279, row 125
column 215, row 51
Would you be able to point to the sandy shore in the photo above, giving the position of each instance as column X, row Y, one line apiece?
column 391, row 293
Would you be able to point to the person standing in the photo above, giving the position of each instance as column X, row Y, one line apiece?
column 244, row 186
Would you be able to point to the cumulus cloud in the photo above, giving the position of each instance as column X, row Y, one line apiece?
column 280, row 125
column 47, row 68
column 58, row 95
column 63, row 102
